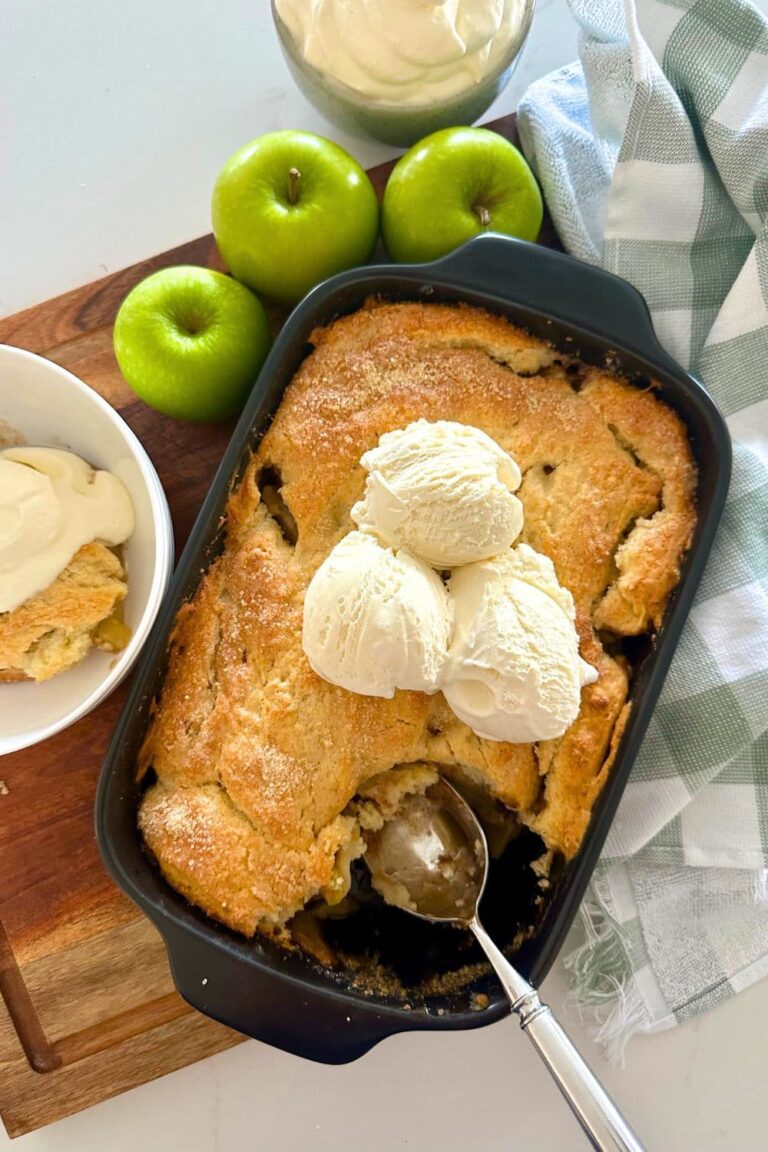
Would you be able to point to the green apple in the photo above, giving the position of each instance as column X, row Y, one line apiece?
column 191, row 342
column 452, row 185
column 290, row 209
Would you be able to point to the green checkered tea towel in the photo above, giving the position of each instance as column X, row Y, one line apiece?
column 653, row 157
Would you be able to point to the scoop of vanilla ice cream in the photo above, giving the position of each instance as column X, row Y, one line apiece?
column 443, row 490
column 513, row 671
column 376, row 620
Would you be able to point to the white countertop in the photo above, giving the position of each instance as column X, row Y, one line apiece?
column 118, row 118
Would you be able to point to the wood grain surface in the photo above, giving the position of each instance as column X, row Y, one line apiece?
column 89, row 1008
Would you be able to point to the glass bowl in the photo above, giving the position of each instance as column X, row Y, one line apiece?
column 398, row 124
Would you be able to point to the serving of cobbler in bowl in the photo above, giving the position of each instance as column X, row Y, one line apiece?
column 86, row 548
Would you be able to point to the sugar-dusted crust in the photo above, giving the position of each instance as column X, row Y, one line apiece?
column 257, row 758
column 54, row 630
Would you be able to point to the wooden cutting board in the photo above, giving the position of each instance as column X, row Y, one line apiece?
column 89, row 1008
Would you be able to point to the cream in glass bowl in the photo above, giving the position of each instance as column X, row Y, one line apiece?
column 397, row 70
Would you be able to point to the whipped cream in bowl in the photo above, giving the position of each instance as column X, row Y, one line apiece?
column 51, row 503
column 399, row 69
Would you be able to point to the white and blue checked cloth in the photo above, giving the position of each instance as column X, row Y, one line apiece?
column 653, row 157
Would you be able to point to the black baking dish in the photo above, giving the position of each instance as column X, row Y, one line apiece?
column 285, row 998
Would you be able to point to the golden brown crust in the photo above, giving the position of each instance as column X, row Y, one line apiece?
column 254, row 748
column 647, row 561
column 53, row 630
column 575, row 767
column 206, row 846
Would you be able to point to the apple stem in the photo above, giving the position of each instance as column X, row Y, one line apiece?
column 484, row 215
column 293, row 185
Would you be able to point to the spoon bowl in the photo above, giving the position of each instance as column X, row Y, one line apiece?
column 431, row 861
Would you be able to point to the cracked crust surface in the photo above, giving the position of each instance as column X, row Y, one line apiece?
column 257, row 759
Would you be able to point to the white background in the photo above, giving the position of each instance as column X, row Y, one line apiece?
column 114, row 120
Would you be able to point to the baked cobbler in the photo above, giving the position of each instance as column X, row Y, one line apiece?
column 264, row 775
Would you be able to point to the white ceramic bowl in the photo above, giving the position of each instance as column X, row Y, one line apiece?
column 48, row 405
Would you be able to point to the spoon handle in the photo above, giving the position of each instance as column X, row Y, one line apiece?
column 601, row 1120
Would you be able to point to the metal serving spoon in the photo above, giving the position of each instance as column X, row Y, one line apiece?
column 432, row 861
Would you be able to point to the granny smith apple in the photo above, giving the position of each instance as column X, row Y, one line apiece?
column 451, row 186
column 191, row 342
column 290, row 209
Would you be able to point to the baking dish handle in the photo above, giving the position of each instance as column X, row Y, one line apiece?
column 560, row 286
column 222, row 982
